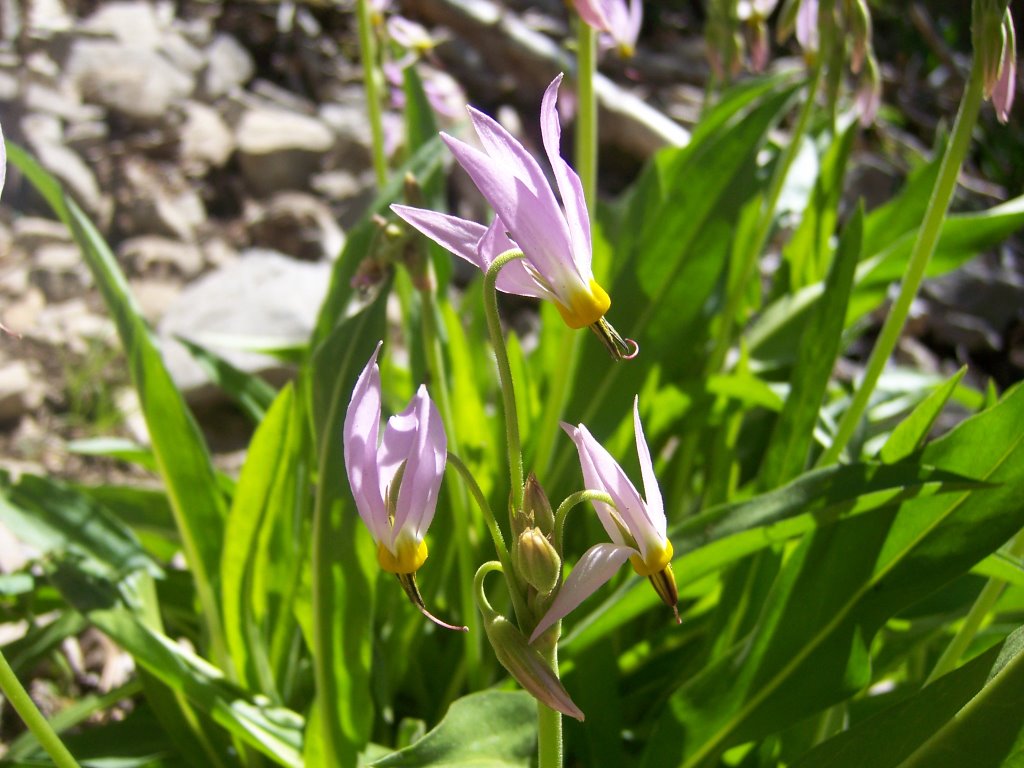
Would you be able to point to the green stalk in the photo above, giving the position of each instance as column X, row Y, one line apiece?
column 371, row 80
column 748, row 264
column 972, row 623
column 508, row 395
column 33, row 718
column 549, row 721
column 515, row 589
column 924, row 247
column 586, row 116
column 459, row 501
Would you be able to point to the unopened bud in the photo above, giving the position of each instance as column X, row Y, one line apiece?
column 536, row 560
column 537, row 507
column 1006, row 84
column 860, row 28
column 529, row 668
column 988, row 37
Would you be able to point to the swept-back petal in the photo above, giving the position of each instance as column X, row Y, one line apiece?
column 515, row 276
column 569, row 186
column 417, row 498
column 592, row 12
column 593, row 481
column 598, row 564
column 459, row 236
column 359, row 435
column 655, row 507
column 602, row 471
column 502, row 147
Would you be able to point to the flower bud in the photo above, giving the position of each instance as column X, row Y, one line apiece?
column 537, row 507
column 1006, row 84
column 989, row 38
column 526, row 664
column 536, row 560
column 860, row 28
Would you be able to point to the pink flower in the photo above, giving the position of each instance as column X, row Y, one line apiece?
column 807, row 25
column 636, row 526
column 395, row 483
column 1006, row 84
column 617, row 20
column 555, row 239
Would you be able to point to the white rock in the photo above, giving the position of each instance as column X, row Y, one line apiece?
column 20, row 391
column 228, row 66
column 297, row 224
column 58, row 270
column 131, row 81
column 264, row 297
column 130, row 21
column 152, row 255
column 280, row 150
column 205, row 139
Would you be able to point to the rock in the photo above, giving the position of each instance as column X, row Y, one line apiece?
column 352, row 135
column 131, row 81
column 20, row 390
column 136, row 22
column 205, row 140
column 297, row 224
column 154, row 296
column 155, row 256
column 158, row 200
column 352, row 194
column 71, row 325
column 59, row 272
column 280, row 150
column 228, row 66
column 263, row 296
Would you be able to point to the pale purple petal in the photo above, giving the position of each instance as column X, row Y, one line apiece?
column 362, row 426
column 502, row 147
column 514, row 276
column 424, row 468
column 596, row 567
column 655, row 507
column 1006, row 86
column 592, row 12
column 569, row 185
column 807, row 25
column 450, row 232
column 635, row 22
column 539, row 229
column 594, row 482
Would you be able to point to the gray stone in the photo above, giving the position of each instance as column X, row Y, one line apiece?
column 297, row 224
column 280, row 150
column 157, row 200
column 228, row 66
column 131, row 81
column 263, row 296
column 59, row 272
column 152, row 255
column 130, row 21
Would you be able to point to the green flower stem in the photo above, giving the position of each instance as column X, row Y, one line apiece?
column 572, row 501
column 924, row 247
column 549, row 722
column 586, row 115
column 508, row 395
column 33, row 718
column 748, row 264
column 972, row 622
column 371, row 80
column 515, row 589
column 459, row 501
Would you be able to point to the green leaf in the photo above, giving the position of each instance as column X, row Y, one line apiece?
column 60, row 521
column 820, row 343
column 809, row 250
column 973, row 716
column 809, row 649
column 910, row 434
column 262, row 548
column 483, row 730
column 252, row 393
column 711, row 540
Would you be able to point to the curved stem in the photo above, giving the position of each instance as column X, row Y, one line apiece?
column 748, row 264
column 33, row 718
column 508, row 395
column 368, row 58
column 515, row 589
column 924, row 247
column 571, row 501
